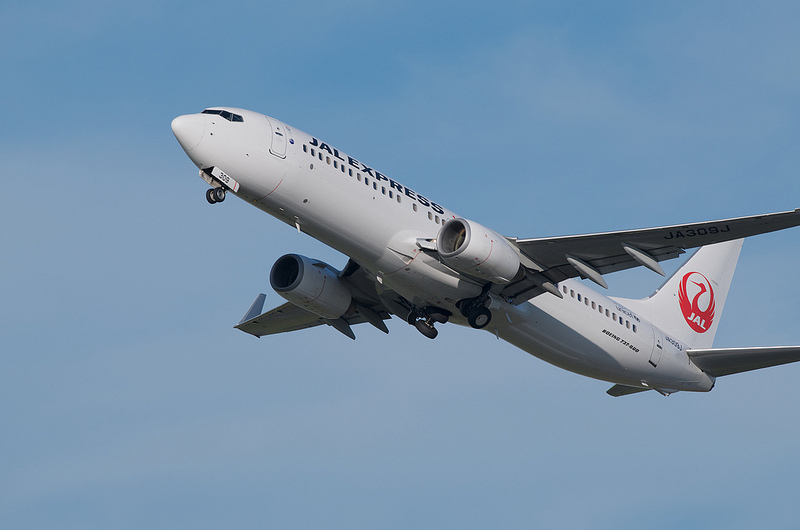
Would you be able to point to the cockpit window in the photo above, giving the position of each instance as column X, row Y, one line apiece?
column 225, row 114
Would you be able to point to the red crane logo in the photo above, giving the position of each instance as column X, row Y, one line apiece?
column 698, row 319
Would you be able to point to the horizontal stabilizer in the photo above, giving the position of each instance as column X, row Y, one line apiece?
column 727, row 361
column 624, row 390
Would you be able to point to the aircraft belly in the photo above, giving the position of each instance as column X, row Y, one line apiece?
column 422, row 280
column 548, row 329
column 546, row 337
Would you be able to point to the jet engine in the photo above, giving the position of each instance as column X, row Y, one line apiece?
column 310, row 284
column 475, row 250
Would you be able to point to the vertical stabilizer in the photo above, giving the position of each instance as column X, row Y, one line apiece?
column 689, row 305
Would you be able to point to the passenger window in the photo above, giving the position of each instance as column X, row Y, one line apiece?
column 579, row 297
column 414, row 206
column 430, row 216
column 399, row 198
column 358, row 177
column 565, row 289
column 437, row 220
column 305, row 148
column 336, row 164
column 634, row 328
column 594, row 306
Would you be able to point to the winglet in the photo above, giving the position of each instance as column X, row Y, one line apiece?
column 255, row 308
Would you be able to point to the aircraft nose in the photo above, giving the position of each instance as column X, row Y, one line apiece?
column 188, row 129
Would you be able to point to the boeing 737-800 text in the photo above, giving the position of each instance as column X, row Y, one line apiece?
column 412, row 257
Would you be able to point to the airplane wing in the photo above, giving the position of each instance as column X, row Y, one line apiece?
column 551, row 260
column 287, row 317
column 290, row 317
column 727, row 361
column 368, row 307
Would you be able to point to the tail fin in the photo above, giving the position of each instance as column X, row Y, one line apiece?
column 689, row 305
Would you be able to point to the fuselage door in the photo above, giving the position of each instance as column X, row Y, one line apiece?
column 658, row 347
column 277, row 138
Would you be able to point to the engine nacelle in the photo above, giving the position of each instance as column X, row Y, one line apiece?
column 310, row 284
column 475, row 250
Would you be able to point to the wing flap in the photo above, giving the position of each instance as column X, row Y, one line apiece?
column 727, row 361
column 287, row 317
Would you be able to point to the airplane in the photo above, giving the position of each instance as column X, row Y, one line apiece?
column 415, row 259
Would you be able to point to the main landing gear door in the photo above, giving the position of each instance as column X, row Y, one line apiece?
column 278, row 138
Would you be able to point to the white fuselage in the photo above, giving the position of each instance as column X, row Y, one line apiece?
column 377, row 222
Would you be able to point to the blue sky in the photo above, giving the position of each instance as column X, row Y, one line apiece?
column 128, row 400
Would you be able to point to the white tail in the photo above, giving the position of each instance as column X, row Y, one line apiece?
column 689, row 305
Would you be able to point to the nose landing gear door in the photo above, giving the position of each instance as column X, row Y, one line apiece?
column 277, row 138
column 658, row 347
